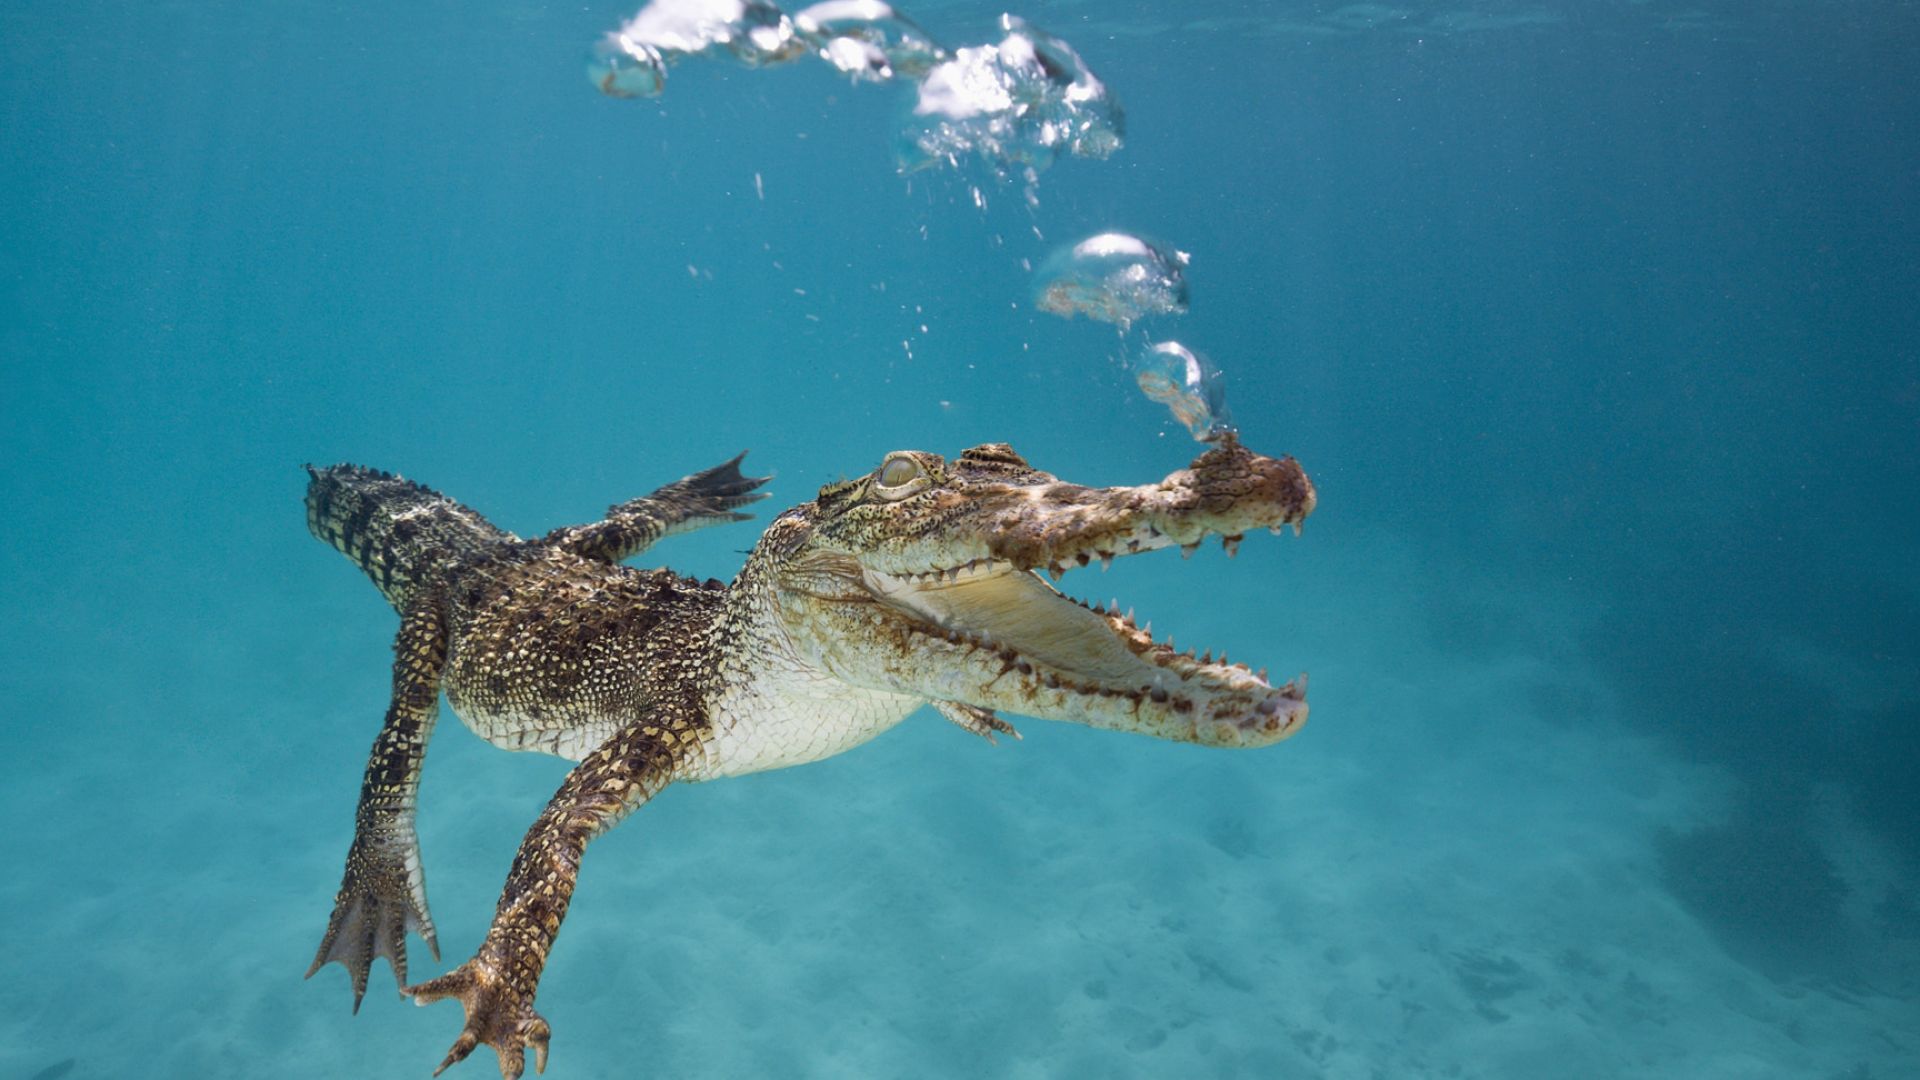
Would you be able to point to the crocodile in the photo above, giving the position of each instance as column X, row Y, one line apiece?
column 924, row 582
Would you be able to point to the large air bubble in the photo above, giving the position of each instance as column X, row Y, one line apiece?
column 1019, row 104
column 867, row 39
column 765, row 36
column 632, row 61
column 1113, row 277
column 1191, row 388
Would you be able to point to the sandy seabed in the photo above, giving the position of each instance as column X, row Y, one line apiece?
column 1454, row 871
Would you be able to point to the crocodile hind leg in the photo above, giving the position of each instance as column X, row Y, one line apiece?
column 384, row 893
column 709, row 497
column 497, row 986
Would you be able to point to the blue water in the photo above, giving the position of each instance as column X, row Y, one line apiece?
column 1595, row 324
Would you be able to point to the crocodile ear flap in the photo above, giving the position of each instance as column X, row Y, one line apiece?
column 998, row 461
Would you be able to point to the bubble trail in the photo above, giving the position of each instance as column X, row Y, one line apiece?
column 632, row 61
column 868, row 39
column 1189, row 386
column 1112, row 277
column 1018, row 104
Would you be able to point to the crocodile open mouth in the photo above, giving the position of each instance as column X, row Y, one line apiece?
column 935, row 576
column 1051, row 645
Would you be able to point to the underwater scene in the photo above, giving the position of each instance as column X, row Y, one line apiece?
column 1531, row 389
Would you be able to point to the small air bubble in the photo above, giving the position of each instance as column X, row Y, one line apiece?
column 1189, row 386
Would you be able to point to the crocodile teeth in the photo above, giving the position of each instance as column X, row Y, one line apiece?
column 1231, row 544
column 1187, row 550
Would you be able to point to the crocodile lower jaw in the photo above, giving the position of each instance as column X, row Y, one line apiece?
column 1066, row 659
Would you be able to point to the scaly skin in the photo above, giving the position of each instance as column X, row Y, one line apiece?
column 914, row 585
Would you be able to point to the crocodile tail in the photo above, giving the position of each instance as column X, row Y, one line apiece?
column 401, row 533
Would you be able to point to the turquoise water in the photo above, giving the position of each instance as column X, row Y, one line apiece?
column 1594, row 323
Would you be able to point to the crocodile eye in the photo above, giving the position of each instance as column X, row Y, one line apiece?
column 900, row 477
column 899, row 471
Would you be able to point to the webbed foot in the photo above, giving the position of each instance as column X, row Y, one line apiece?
column 713, row 494
column 382, row 896
column 498, row 1015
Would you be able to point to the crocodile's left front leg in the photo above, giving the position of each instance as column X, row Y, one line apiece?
column 497, row 986
column 383, row 892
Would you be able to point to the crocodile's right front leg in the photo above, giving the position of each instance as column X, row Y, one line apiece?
column 497, row 986
column 384, row 893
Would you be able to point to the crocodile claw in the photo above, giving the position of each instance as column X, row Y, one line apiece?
column 714, row 493
column 497, row 1015
column 982, row 722
column 380, row 899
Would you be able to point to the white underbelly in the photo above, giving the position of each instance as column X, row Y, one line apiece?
column 567, row 733
column 776, row 722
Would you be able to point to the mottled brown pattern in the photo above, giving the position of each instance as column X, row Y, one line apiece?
column 912, row 585
column 533, row 641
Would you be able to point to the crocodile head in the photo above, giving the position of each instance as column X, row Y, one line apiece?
column 924, row 578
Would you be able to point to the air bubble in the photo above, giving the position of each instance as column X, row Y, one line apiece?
column 632, row 61
column 1021, row 103
column 624, row 68
column 766, row 36
column 1017, row 105
column 1189, row 386
column 867, row 39
column 1112, row 277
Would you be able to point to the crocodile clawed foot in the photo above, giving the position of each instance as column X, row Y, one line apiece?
column 982, row 722
column 497, row 1015
column 372, row 913
column 716, row 491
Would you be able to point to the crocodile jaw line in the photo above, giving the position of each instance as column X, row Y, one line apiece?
column 1110, row 673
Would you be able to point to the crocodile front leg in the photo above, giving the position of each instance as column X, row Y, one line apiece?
column 497, row 986
column 384, row 892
